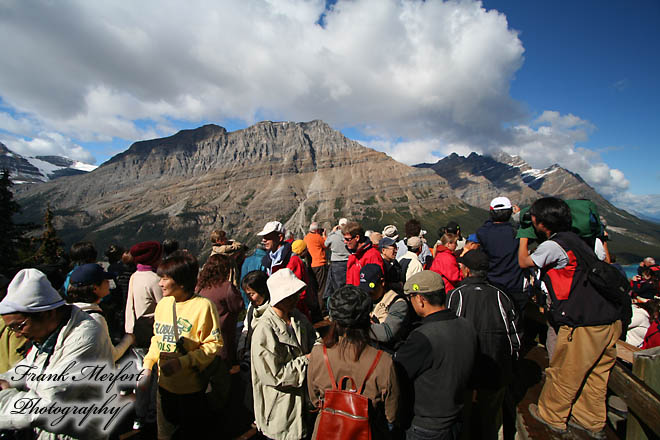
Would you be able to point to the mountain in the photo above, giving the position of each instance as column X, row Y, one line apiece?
column 186, row 185
column 477, row 179
column 39, row 168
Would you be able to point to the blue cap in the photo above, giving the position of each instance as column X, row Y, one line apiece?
column 370, row 276
column 473, row 238
column 88, row 274
column 386, row 242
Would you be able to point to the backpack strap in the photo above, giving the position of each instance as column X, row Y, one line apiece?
column 371, row 370
column 327, row 364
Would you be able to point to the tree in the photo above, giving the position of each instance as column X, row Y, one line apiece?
column 50, row 251
column 11, row 235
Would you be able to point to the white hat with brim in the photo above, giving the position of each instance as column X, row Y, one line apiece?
column 30, row 292
column 274, row 226
column 283, row 284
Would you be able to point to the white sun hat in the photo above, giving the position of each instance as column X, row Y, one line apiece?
column 282, row 284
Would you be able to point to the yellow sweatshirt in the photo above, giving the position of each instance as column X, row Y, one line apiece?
column 198, row 325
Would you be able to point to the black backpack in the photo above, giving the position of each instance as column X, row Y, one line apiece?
column 608, row 281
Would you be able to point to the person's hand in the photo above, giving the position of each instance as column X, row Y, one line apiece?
column 144, row 380
column 4, row 384
column 170, row 367
column 636, row 278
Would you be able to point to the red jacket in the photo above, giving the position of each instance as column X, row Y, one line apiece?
column 652, row 338
column 366, row 253
column 293, row 262
column 445, row 264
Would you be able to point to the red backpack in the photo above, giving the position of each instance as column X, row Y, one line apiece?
column 345, row 413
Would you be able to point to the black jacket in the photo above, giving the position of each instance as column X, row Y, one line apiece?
column 437, row 358
column 492, row 313
column 575, row 302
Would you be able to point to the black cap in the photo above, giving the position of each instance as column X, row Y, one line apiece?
column 452, row 227
column 475, row 259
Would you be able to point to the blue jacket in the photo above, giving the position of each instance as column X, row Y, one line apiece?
column 253, row 262
column 499, row 242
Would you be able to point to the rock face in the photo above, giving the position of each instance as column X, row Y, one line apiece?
column 186, row 185
column 477, row 179
column 19, row 168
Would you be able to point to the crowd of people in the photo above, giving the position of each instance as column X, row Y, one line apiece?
column 336, row 334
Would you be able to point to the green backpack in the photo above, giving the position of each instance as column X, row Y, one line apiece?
column 585, row 220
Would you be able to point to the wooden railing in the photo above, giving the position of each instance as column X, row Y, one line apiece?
column 639, row 388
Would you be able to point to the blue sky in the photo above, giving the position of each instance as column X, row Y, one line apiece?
column 568, row 82
column 599, row 60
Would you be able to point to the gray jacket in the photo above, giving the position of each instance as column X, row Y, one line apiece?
column 335, row 242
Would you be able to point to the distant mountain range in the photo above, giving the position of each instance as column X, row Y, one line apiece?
column 39, row 168
column 186, row 185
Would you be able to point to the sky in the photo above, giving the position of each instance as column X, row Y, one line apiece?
column 573, row 83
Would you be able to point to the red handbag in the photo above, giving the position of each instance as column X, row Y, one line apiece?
column 345, row 413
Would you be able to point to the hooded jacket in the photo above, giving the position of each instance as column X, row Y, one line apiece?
column 446, row 265
column 279, row 369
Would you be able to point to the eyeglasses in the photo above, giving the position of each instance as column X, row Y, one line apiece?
column 15, row 328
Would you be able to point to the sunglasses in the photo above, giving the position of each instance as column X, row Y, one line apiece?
column 14, row 328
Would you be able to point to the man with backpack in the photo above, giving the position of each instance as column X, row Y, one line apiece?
column 437, row 360
column 589, row 325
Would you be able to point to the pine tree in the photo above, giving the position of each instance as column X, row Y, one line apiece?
column 11, row 235
column 50, row 251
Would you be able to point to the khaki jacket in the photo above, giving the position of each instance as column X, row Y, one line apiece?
column 279, row 369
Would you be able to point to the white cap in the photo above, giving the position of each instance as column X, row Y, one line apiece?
column 500, row 203
column 30, row 292
column 272, row 227
column 391, row 231
column 342, row 221
column 282, row 284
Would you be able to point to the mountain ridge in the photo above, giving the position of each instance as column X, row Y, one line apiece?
column 188, row 184
column 209, row 178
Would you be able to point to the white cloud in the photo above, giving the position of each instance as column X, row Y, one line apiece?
column 552, row 138
column 436, row 74
column 645, row 204
column 417, row 151
column 398, row 68
column 49, row 144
